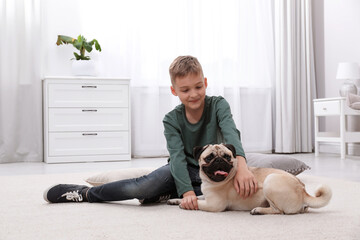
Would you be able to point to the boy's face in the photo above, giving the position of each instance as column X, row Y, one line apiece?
column 191, row 91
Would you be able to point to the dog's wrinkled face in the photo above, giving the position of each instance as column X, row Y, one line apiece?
column 216, row 161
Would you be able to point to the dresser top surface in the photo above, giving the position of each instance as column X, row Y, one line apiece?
column 329, row 99
column 85, row 78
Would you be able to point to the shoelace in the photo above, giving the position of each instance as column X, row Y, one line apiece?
column 73, row 196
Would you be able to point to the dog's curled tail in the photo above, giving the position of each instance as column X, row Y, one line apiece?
column 322, row 197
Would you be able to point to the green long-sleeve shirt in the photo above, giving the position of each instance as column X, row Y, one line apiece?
column 215, row 126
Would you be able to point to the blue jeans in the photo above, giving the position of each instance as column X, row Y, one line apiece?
column 150, row 187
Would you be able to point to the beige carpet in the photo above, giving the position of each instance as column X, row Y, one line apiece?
column 25, row 215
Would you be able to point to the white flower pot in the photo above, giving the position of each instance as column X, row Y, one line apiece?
column 84, row 68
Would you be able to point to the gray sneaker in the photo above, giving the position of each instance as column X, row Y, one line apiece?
column 66, row 193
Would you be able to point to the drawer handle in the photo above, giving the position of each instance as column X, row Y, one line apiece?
column 89, row 86
column 324, row 108
column 89, row 134
column 89, row 110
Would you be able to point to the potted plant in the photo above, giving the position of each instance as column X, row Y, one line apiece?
column 82, row 64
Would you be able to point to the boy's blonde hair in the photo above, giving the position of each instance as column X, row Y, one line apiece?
column 184, row 65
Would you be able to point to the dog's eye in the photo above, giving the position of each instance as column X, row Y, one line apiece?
column 227, row 157
column 209, row 158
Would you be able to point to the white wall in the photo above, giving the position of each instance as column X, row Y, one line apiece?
column 337, row 39
column 58, row 19
column 62, row 18
column 342, row 39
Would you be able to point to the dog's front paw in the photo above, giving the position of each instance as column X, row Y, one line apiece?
column 255, row 211
column 174, row 201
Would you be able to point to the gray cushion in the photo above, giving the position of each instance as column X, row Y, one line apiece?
column 284, row 162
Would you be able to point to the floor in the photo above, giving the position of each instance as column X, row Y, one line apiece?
column 326, row 165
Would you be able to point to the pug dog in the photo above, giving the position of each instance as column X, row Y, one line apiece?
column 278, row 192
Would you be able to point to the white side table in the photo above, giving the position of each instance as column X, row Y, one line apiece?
column 334, row 107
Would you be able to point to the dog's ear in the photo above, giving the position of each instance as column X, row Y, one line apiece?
column 197, row 151
column 231, row 148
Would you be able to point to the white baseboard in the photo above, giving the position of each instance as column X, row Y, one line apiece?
column 353, row 148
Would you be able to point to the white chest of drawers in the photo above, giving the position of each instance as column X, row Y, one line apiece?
column 86, row 119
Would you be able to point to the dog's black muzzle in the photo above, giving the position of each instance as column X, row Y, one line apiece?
column 218, row 169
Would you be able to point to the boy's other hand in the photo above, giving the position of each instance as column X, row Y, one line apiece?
column 245, row 182
column 189, row 201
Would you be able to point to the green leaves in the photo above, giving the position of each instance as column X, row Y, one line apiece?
column 97, row 45
column 64, row 39
column 81, row 44
column 79, row 57
column 88, row 46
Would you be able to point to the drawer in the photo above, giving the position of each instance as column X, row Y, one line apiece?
column 87, row 95
column 327, row 108
column 88, row 119
column 88, row 143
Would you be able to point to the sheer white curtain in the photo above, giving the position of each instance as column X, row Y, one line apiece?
column 233, row 42
column 140, row 38
column 20, row 91
column 295, row 76
column 232, row 39
column 242, row 45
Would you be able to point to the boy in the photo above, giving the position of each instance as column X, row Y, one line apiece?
column 198, row 121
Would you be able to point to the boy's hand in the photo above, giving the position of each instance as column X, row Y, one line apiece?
column 189, row 201
column 245, row 183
